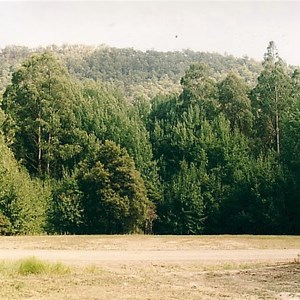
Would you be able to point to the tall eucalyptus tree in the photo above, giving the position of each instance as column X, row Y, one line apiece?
column 271, row 98
column 40, row 119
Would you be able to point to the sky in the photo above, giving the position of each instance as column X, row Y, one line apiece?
column 240, row 28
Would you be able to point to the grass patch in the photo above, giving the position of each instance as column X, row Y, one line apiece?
column 232, row 266
column 297, row 259
column 32, row 266
column 93, row 269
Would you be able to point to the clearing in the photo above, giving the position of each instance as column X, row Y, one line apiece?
column 155, row 267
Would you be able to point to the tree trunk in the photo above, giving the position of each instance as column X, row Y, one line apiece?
column 48, row 155
column 277, row 122
column 49, row 135
column 39, row 147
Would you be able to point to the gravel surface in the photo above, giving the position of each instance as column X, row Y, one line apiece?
column 78, row 257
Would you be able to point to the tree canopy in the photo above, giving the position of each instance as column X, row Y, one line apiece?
column 203, row 144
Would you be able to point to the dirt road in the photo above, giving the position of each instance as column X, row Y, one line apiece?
column 154, row 267
column 79, row 257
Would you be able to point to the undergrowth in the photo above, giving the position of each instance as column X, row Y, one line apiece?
column 32, row 266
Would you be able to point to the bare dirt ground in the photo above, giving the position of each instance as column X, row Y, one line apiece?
column 157, row 267
column 100, row 257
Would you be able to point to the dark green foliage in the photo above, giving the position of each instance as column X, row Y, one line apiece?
column 106, row 194
column 5, row 225
column 290, row 155
column 114, row 195
column 183, row 209
column 66, row 211
column 240, row 190
column 256, row 199
column 219, row 154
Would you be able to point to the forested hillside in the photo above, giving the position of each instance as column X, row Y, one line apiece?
column 135, row 72
column 104, row 140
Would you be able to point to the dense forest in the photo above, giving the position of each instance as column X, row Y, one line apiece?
column 134, row 73
column 105, row 140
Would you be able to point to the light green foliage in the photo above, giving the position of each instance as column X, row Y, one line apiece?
column 32, row 266
column 271, row 99
column 23, row 201
column 105, row 114
column 134, row 72
column 10, row 59
column 149, row 73
column 1, row 117
column 235, row 104
column 199, row 88
column 40, row 121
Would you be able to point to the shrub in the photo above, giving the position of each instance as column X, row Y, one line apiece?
column 5, row 225
column 31, row 266
column 35, row 266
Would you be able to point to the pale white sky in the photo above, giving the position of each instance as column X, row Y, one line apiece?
column 235, row 27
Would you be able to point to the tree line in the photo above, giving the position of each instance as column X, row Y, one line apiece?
column 135, row 73
column 219, row 155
